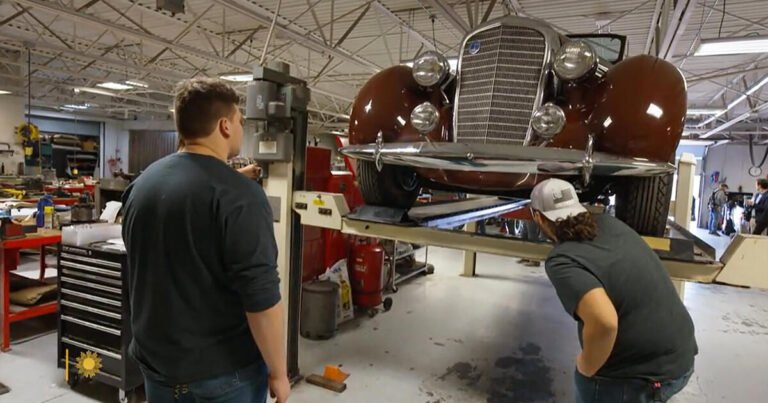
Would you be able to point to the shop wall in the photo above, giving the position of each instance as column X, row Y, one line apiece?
column 11, row 115
column 117, row 138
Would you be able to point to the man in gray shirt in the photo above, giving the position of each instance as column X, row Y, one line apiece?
column 637, row 338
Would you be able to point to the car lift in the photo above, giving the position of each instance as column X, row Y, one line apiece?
column 685, row 257
column 277, row 105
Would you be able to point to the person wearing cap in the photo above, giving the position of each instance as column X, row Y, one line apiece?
column 637, row 338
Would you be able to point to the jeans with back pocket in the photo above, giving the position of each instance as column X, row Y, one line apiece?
column 609, row 390
column 246, row 385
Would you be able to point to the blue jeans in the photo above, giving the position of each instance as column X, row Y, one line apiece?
column 714, row 220
column 599, row 390
column 247, row 385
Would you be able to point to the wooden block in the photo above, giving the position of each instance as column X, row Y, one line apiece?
column 318, row 380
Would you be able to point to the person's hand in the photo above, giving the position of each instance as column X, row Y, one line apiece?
column 750, row 202
column 279, row 388
column 252, row 171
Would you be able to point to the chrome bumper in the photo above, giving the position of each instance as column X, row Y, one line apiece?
column 506, row 159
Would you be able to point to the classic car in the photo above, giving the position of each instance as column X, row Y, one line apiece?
column 524, row 104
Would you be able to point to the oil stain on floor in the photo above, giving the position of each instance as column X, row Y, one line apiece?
column 521, row 377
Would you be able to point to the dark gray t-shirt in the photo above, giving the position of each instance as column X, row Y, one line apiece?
column 656, row 335
column 201, row 253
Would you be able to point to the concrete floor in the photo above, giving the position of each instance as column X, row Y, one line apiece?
column 500, row 337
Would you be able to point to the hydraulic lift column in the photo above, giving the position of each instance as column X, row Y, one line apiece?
column 276, row 104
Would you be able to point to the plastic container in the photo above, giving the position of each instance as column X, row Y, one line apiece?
column 48, row 216
column 85, row 234
column 41, row 205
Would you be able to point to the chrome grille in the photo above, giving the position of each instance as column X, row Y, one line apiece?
column 499, row 85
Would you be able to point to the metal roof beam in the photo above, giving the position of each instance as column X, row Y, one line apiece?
column 450, row 15
column 300, row 39
column 652, row 27
column 116, row 63
column 406, row 27
column 514, row 7
column 143, row 36
column 175, row 75
column 752, row 23
column 732, row 122
column 680, row 17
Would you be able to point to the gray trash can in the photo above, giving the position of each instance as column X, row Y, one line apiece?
column 318, row 309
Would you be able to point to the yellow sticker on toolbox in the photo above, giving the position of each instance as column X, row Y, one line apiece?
column 318, row 202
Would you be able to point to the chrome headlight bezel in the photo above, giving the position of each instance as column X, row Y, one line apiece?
column 425, row 117
column 548, row 120
column 430, row 68
column 574, row 60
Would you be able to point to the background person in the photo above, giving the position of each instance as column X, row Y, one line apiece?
column 716, row 203
column 758, row 208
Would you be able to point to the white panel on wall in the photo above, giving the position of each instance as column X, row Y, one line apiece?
column 115, row 148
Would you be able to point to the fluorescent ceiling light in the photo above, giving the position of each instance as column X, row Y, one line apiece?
column 703, row 111
column 732, row 46
column 5, row 92
column 238, row 77
column 76, row 106
column 114, row 86
column 694, row 142
column 95, row 91
column 137, row 83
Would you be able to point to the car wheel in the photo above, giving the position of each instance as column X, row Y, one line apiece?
column 518, row 228
column 393, row 186
column 643, row 203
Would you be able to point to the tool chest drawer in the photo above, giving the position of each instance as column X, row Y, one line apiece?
column 111, row 360
column 94, row 313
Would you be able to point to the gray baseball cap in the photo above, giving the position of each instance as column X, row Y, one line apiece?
column 556, row 199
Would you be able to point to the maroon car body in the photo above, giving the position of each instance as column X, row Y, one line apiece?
column 623, row 123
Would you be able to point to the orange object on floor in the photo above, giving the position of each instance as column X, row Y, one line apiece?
column 335, row 373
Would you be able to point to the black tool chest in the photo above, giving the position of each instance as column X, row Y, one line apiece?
column 94, row 314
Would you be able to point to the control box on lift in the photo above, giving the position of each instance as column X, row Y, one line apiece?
column 273, row 97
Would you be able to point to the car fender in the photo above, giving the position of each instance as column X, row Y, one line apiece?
column 641, row 109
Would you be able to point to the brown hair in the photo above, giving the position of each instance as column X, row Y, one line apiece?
column 582, row 227
column 200, row 103
column 763, row 183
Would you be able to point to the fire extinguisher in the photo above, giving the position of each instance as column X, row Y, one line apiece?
column 367, row 275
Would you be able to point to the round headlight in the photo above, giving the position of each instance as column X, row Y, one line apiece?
column 430, row 68
column 425, row 117
column 548, row 120
column 574, row 60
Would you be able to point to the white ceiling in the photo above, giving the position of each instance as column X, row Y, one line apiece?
column 79, row 43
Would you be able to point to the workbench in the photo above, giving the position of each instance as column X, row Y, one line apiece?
column 9, row 261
